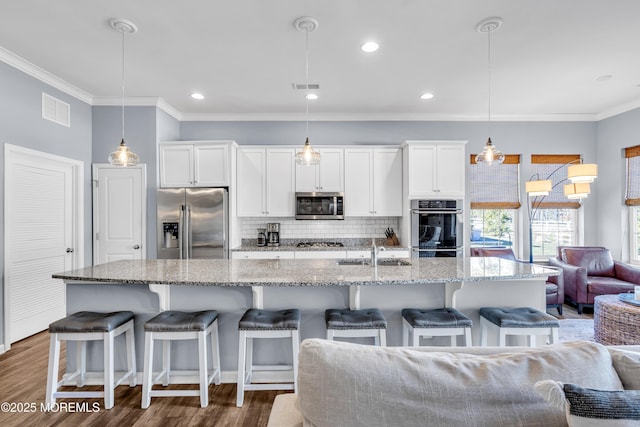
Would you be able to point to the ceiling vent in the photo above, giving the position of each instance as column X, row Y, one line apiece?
column 302, row 86
column 55, row 110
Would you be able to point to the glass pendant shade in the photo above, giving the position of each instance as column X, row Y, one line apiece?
column 577, row 191
column 308, row 156
column 123, row 156
column 538, row 188
column 582, row 172
column 490, row 155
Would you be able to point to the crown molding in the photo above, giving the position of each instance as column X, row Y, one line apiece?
column 38, row 73
column 138, row 101
column 618, row 110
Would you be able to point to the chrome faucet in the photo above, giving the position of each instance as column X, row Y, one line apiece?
column 374, row 252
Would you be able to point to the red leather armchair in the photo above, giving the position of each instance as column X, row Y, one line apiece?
column 590, row 271
column 555, row 284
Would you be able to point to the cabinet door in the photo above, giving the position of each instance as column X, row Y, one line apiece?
column 280, row 179
column 307, row 177
column 387, row 182
column 176, row 165
column 358, row 182
column 321, row 254
column 251, row 182
column 421, row 170
column 331, row 170
column 262, row 255
column 211, row 166
column 450, row 170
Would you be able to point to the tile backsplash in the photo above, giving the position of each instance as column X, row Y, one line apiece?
column 360, row 227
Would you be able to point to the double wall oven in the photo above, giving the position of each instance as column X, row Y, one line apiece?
column 436, row 228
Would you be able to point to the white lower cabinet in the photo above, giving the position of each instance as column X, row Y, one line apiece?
column 262, row 255
column 381, row 254
column 321, row 254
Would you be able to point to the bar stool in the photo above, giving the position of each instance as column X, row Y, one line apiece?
column 258, row 323
column 517, row 321
column 178, row 325
column 436, row 322
column 356, row 323
column 89, row 326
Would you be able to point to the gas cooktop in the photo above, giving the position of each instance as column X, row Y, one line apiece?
column 319, row 245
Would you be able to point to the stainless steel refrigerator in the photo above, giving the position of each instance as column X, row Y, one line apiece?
column 193, row 223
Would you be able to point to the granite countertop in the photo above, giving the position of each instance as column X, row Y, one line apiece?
column 349, row 244
column 308, row 272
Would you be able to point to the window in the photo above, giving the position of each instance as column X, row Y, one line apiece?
column 495, row 200
column 554, row 218
column 632, row 199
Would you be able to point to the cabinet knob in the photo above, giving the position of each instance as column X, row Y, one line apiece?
column 69, row 250
column 136, row 246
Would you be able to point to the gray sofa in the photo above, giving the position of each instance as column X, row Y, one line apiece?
column 344, row 384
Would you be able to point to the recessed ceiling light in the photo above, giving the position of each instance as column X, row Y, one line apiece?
column 311, row 96
column 426, row 95
column 369, row 47
column 197, row 96
column 604, row 78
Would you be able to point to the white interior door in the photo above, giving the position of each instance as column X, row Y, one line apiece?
column 43, row 226
column 119, row 213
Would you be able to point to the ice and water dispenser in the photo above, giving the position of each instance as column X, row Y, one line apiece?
column 171, row 235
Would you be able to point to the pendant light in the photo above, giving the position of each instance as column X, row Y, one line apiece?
column 490, row 154
column 123, row 156
column 308, row 156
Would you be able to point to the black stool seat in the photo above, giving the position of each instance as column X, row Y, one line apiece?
column 370, row 318
column 258, row 319
column 436, row 318
column 89, row 321
column 519, row 317
column 180, row 321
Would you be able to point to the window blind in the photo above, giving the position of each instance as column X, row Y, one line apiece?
column 553, row 167
column 632, row 193
column 495, row 186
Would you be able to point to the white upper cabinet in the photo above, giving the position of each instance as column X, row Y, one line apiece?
column 373, row 182
column 328, row 176
column 194, row 164
column 265, row 182
column 435, row 169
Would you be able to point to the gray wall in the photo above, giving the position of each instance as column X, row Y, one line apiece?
column 614, row 134
column 21, row 124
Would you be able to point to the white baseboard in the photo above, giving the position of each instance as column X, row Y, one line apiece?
column 2, row 349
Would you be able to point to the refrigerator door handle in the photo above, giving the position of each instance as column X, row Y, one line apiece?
column 187, row 232
column 181, row 231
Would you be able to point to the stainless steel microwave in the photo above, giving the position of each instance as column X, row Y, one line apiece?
column 318, row 205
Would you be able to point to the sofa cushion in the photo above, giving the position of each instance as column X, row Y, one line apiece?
column 598, row 285
column 627, row 365
column 586, row 407
column 350, row 384
column 597, row 262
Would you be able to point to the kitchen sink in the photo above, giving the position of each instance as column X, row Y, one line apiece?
column 392, row 262
column 367, row 261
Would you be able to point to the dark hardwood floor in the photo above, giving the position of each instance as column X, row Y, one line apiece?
column 23, row 377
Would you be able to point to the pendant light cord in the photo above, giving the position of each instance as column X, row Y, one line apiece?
column 122, row 83
column 489, row 62
column 306, row 96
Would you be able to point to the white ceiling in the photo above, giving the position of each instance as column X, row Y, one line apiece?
column 244, row 55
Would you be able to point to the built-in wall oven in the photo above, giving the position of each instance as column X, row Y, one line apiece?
column 436, row 228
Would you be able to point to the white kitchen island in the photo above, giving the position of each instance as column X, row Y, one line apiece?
column 231, row 286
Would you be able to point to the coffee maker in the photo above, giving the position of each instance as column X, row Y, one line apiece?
column 273, row 234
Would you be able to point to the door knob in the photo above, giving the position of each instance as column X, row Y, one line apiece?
column 136, row 247
column 69, row 250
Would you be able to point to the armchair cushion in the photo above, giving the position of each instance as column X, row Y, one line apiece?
column 597, row 262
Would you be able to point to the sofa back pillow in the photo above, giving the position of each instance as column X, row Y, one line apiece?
column 597, row 262
column 344, row 384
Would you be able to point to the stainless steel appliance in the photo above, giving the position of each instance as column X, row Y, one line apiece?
column 436, row 228
column 193, row 223
column 273, row 234
column 318, row 205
